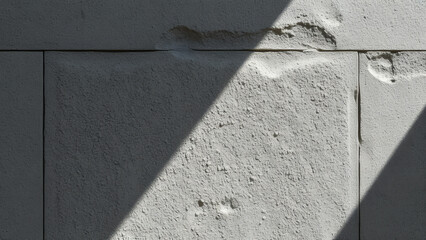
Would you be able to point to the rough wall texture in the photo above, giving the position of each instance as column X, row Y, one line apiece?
column 393, row 149
column 266, row 150
column 21, row 145
column 316, row 130
column 219, row 24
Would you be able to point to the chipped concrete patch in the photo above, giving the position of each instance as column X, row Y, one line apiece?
column 381, row 67
column 300, row 35
column 391, row 67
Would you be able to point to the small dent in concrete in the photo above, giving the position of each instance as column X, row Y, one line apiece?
column 234, row 203
column 228, row 206
column 252, row 179
column 381, row 67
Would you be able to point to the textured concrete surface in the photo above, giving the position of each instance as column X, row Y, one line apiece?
column 190, row 145
column 21, row 145
column 393, row 152
column 219, row 24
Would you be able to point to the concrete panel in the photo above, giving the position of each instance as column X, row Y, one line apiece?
column 393, row 152
column 219, row 24
column 21, row 145
column 184, row 145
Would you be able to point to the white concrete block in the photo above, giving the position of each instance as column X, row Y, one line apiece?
column 185, row 145
column 393, row 152
column 219, row 24
column 21, row 145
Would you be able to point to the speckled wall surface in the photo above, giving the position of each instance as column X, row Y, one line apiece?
column 212, row 119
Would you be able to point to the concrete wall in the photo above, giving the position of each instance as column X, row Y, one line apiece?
column 212, row 120
column 21, row 145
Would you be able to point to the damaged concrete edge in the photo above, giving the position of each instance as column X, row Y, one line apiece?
column 300, row 35
column 391, row 67
column 219, row 34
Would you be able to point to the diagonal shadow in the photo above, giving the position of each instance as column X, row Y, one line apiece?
column 394, row 206
column 103, row 150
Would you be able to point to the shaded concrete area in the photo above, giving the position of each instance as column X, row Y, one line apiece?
column 394, row 206
column 21, row 145
column 219, row 24
column 136, row 25
column 113, row 129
